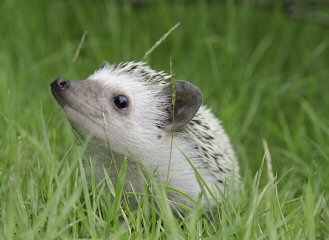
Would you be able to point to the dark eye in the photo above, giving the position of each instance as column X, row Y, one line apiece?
column 121, row 101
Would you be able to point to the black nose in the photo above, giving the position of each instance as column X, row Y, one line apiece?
column 62, row 83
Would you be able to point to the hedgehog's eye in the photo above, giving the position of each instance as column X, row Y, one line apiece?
column 121, row 101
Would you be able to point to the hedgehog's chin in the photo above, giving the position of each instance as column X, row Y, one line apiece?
column 84, row 125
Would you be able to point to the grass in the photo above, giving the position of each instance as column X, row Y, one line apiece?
column 264, row 75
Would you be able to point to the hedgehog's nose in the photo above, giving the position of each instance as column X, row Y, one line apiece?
column 58, row 87
column 61, row 83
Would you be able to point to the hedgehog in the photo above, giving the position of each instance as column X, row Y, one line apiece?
column 152, row 121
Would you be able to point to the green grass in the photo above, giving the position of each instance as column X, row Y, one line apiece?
column 264, row 75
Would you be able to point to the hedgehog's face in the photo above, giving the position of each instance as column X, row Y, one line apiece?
column 118, row 105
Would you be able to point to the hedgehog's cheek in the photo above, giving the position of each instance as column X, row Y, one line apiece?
column 83, row 125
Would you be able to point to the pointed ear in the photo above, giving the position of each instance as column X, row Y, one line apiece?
column 104, row 65
column 187, row 103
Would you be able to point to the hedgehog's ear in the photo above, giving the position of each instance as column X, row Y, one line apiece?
column 187, row 103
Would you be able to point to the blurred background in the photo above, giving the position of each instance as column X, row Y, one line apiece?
column 262, row 67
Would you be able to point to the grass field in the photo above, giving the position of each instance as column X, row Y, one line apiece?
column 264, row 75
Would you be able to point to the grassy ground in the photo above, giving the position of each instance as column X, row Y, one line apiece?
column 264, row 75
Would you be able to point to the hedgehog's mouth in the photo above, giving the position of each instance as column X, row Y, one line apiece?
column 83, row 124
column 57, row 97
column 67, row 108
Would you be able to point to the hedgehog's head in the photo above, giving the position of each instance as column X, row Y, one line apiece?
column 130, row 105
